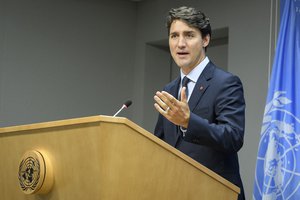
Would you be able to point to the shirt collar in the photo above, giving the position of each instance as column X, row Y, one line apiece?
column 196, row 72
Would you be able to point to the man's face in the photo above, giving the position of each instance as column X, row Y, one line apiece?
column 186, row 45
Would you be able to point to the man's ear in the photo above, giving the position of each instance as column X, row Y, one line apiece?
column 206, row 40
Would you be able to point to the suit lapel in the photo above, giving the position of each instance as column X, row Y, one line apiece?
column 175, row 87
column 201, row 85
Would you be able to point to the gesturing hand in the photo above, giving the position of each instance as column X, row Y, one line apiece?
column 178, row 112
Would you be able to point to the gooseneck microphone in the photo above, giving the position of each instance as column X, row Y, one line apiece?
column 125, row 105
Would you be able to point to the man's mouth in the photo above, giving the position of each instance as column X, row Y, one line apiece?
column 182, row 53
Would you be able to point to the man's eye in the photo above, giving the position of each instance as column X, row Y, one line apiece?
column 174, row 36
column 190, row 35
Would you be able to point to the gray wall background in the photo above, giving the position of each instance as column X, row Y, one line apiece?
column 72, row 58
column 62, row 59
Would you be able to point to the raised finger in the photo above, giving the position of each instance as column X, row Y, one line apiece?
column 160, row 102
column 183, row 95
column 170, row 100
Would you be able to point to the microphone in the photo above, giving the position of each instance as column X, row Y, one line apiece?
column 125, row 105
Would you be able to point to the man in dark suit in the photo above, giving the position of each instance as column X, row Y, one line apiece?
column 202, row 112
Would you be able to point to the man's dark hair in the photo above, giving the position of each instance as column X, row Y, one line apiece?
column 192, row 17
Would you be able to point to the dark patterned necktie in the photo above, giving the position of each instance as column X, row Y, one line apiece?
column 184, row 83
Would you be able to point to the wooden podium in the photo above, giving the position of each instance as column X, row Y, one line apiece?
column 105, row 158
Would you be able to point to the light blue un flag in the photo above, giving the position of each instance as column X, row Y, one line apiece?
column 278, row 160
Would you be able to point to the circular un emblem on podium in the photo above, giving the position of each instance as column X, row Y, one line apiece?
column 35, row 173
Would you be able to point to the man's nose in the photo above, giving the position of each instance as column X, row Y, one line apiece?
column 181, row 42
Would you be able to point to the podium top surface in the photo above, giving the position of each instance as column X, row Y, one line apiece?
column 65, row 122
column 15, row 130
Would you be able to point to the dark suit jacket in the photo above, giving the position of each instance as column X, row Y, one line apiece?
column 216, row 128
